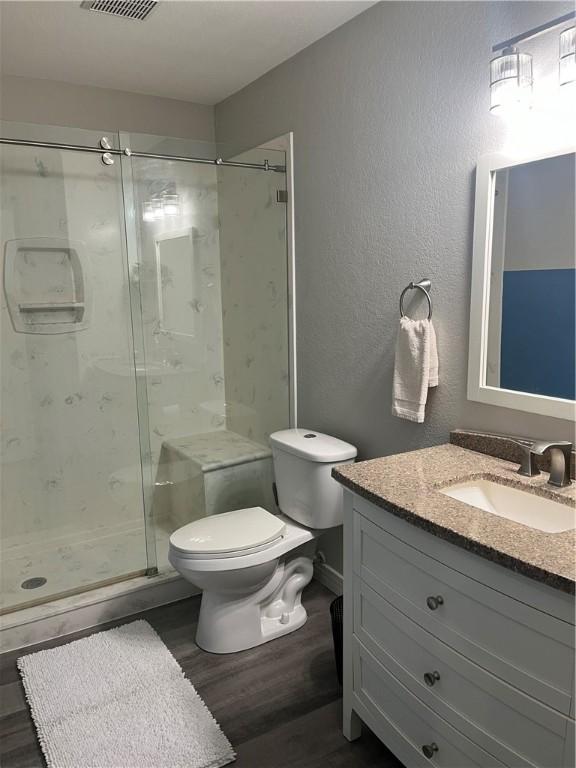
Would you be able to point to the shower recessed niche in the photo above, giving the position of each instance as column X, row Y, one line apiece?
column 46, row 285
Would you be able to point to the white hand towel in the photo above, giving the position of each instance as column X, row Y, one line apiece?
column 415, row 368
column 433, row 372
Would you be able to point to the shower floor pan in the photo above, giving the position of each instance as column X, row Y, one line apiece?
column 74, row 565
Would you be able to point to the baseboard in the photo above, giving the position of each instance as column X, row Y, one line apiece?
column 90, row 609
column 329, row 577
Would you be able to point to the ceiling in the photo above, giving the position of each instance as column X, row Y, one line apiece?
column 194, row 51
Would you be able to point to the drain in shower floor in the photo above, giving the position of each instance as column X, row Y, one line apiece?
column 37, row 581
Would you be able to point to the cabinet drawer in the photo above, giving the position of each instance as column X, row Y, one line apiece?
column 531, row 650
column 390, row 703
column 509, row 724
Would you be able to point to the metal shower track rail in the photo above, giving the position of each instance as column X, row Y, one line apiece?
column 107, row 153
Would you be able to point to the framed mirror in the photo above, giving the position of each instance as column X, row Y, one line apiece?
column 178, row 281
column 522, row 350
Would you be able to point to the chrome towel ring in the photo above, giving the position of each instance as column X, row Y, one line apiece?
column 424, row 286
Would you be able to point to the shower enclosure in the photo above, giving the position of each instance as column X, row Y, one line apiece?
column 145, row 353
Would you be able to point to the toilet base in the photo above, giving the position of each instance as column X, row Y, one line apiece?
column 229, row 623
column 273, row 628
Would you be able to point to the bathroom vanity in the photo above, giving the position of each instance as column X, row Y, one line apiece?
column 459, row 622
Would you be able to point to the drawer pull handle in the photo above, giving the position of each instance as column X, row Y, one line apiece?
column 431, row 677
column 434, row 602
column 429, row 750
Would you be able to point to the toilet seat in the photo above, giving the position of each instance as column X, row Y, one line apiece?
column 294, row 535
column 229, row 534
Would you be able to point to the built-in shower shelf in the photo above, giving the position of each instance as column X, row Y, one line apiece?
column 47, row 285
column 53, row 306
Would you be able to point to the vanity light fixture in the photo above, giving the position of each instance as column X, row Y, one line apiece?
column 510, row 81
column 511, row 71
column 567, row 58
column 163, row 202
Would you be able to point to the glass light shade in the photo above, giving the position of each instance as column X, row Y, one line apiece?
column 153, row 210
column 171, row 205
column 510, row 81
column 567, row 61
column 148, row 212
column 157, row 208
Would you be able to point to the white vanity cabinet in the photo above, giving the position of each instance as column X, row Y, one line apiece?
column 451, row 659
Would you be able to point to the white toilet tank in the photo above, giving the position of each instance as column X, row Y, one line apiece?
column 303, row 461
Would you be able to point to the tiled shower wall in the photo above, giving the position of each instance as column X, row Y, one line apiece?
column 179, row 258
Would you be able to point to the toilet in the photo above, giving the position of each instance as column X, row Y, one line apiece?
column 252, row 565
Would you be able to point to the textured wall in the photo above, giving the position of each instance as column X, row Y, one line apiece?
column 26, row 100
column 390, row 114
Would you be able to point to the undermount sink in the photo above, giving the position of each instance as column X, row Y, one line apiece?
column 514, row 504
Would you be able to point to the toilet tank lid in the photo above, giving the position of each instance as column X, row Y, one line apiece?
column 312, row 445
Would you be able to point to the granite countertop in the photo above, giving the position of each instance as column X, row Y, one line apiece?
column 407, row 484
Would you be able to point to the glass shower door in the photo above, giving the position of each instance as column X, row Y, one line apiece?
column 213, row 281
column 176, row 228
column 72, row 509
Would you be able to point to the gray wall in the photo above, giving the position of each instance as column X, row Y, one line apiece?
column 390, row 114
column 48, row 102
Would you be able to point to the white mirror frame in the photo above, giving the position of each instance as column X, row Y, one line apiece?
column 478, row 390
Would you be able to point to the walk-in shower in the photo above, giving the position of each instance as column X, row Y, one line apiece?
column 145, row 352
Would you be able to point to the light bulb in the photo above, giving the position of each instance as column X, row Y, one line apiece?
column 157, row 208
column 148, row 212
column 153, row 210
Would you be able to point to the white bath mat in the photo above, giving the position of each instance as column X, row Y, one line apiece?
column 119, row 699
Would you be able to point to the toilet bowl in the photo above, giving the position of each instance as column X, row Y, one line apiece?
column 253, row 565
column 250, row 595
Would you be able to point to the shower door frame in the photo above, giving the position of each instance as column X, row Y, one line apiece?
column 288, row 141
column 139, row 354
column 285, row 143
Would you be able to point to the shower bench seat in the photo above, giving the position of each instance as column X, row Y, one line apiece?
column 212, row 472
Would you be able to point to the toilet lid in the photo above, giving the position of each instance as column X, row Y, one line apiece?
column 228, row 532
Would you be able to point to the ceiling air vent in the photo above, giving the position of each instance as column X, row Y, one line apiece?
column 129, row 9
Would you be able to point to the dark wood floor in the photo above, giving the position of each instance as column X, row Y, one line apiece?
column 279, row 704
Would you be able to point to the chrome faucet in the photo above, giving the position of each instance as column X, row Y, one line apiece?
column 560, row 459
